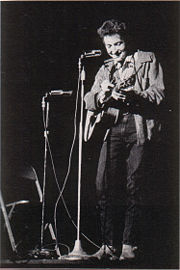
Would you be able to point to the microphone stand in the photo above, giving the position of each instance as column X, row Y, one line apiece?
column 45, row 108
column 78, row 253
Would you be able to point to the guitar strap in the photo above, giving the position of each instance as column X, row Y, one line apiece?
column 114, row 68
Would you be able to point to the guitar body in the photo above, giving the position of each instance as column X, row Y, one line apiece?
column 105, row 119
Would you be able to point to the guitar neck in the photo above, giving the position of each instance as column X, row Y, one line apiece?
column 125, row 83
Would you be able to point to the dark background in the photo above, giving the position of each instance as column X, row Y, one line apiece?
column 41, row 44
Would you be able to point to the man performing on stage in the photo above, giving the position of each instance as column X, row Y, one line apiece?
column 128, row 89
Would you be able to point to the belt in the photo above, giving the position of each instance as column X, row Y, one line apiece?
column 125, row 113
column 122, row 115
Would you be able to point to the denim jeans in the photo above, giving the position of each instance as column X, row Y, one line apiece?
column 125, row 160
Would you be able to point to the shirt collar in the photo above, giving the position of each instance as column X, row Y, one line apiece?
column 109, row 63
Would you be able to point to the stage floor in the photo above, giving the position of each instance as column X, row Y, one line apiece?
column 62, row 263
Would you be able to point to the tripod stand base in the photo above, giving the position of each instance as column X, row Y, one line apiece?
column 76, row 254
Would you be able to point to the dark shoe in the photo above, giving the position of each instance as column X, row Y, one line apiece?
column 106, row 252
column 127, row 252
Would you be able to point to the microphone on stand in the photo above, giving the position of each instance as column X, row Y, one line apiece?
column 93, row 53
column 60, row 92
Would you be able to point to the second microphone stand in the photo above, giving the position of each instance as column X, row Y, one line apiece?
column 45, row 109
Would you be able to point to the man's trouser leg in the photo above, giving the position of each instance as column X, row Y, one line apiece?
column 107, row 188
column 135, row 179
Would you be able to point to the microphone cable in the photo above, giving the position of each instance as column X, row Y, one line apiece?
column 67, row 174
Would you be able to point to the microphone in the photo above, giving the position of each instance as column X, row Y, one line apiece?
column 16, row 203
column 93, row 53
column 60, row 92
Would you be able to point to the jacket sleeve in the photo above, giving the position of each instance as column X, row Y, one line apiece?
column 91, row 97
column 154, row 93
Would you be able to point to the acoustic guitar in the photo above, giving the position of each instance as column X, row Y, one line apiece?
column 108, row 115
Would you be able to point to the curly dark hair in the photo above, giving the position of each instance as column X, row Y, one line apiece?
column 111, row 27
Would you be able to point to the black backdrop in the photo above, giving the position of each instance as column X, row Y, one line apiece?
column 41, row 44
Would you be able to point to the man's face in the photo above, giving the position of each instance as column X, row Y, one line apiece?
column 115, row 46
